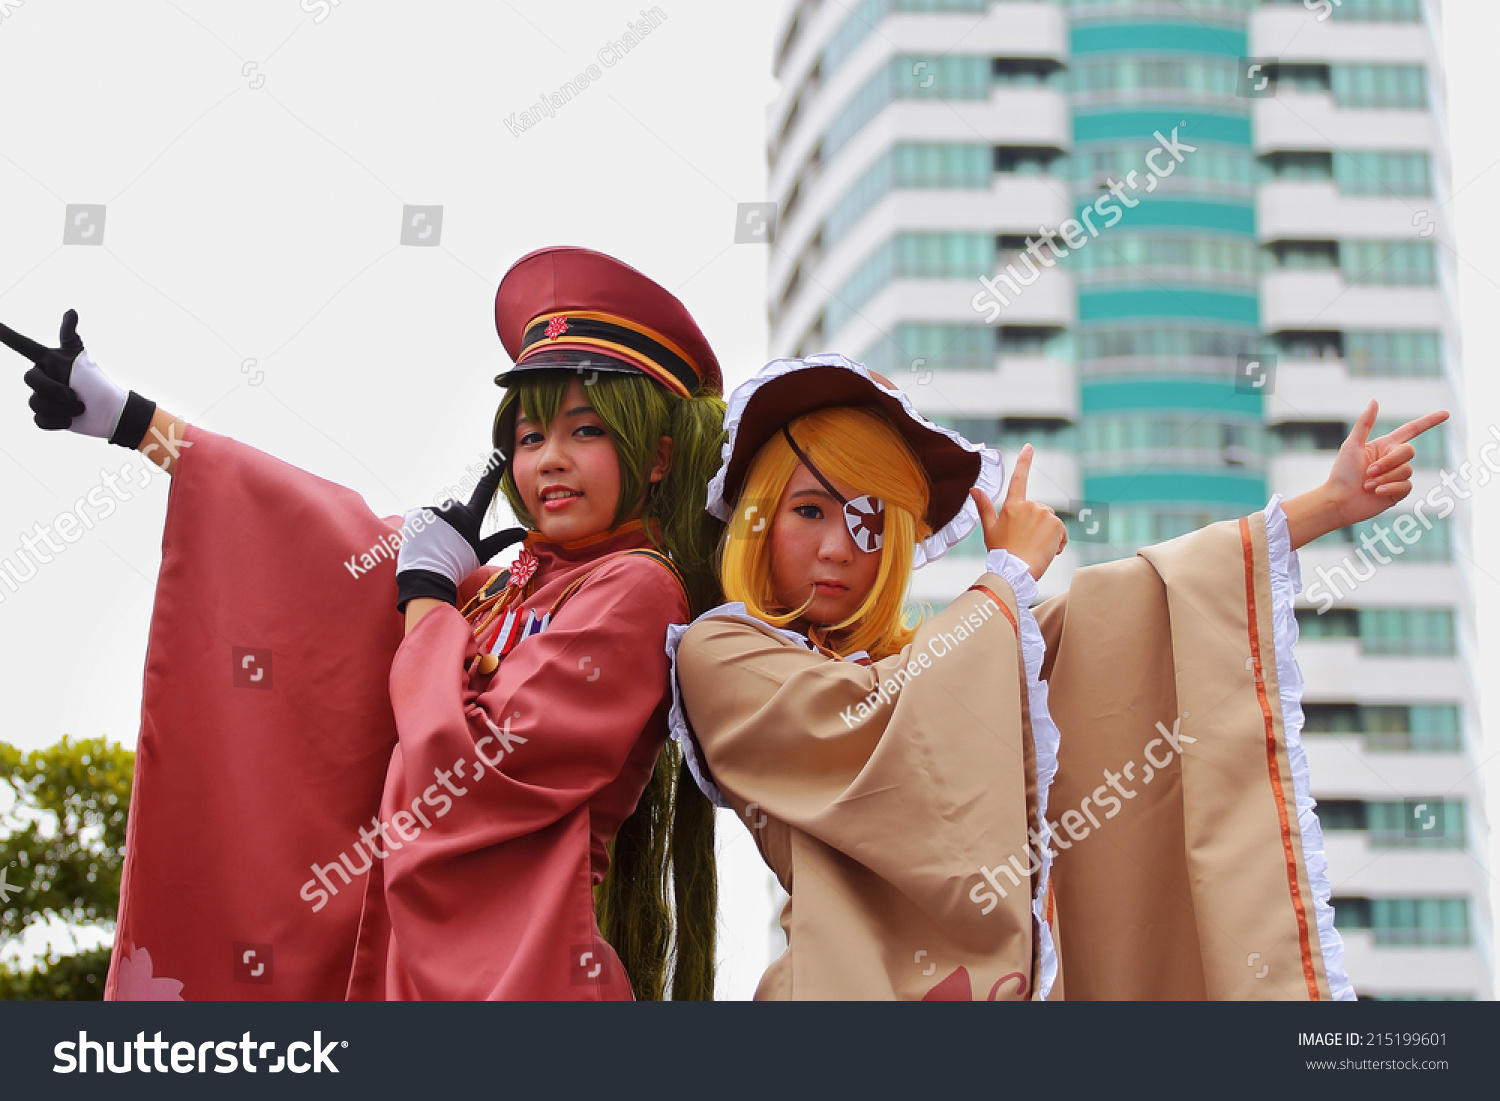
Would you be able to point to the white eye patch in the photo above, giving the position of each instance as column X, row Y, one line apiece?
column 865, row 517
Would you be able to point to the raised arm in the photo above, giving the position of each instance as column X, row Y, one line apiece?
column 69, row 390
column 1368, row 477
column 1027, row 529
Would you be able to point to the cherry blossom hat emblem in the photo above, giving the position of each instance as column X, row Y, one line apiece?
column 786, row 389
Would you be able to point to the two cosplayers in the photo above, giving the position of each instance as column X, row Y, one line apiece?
column 469, row 783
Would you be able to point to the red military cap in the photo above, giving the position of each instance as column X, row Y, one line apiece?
column 574, row 307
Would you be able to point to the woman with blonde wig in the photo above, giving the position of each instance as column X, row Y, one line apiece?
column 1109, row 788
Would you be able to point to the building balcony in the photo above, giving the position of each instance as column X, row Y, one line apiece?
column 1387, row 970
column 1291, row 33
column 1342, row 767
column 1323, row 299
column 1049, row 302
column 1356, row 866
column 1325, row 389
column 1338, row 669
column 1317, row 210
column 1295, row 120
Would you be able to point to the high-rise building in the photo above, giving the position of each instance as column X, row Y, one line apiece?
column 1178, row 245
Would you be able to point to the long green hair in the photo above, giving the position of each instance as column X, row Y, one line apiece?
column 657, row 906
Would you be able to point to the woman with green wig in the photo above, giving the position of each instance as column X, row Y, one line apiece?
column 372, row 766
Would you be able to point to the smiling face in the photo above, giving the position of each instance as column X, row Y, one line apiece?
column 567, row 474
column 813, row 554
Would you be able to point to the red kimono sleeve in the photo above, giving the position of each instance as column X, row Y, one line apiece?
column 266, row 731
column 504, row 790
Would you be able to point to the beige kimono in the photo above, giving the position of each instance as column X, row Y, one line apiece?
column 909, row 807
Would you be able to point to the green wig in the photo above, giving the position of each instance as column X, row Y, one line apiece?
column 657, row 906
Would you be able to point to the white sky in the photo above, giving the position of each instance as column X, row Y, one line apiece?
column 261, row 222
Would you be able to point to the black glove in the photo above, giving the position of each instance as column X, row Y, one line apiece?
column 441, row 544
column 70, row 391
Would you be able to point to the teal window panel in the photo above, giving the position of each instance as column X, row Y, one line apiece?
column 1197, row 77
column 1192, row 126
column 1374, row 173
column 1182, row 214
column 1212, row 167
column 1390, row 87
column 1415, row 353
column 1166, row 341
column 1390, row 263
column 909, row 166
column 938, row 76
column 865, row 17
column 1184, row 37
column 1110, row 305
column 1248, row 493
column 933, row 346
column 1166, row 393
column 1134, row 255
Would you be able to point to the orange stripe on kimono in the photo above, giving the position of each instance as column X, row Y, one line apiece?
column 1107, row 798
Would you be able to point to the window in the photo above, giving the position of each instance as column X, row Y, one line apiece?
column 1431, row 922
column 1305, row 255
column 1031, row 340
column 1426, row 823
column 1367, row 11
column 1390, row 728
column 1165, row 342
column 1112, row 442
column 1216, row 168
column 908, row 166
column 1134, row 256
column 1413, row 823
column 1390, row 263
column 1310, row 343
column 1394, row 352
column 1092, row 8
column 1206, row 78
column 1385, row 632
column 1379, row 11
column 1432, row 543
column 1401, row 87
column 1299, row 165
column 932, row 346
column 1407, row 632
column 866, row 16
column 1026, row 160
column 1023, row 71
column 1394, row 175
column 1305, row 79
column 939, row 76
column 1310, row 435
column 911, row 256
column 1009, row 433
column 1334, row 623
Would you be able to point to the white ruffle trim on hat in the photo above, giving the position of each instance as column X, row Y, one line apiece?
column 1286, row 583
column 1047, row 740
column 677, row 725
column 991, row 465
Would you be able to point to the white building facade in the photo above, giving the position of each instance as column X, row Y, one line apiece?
column 1178, row 246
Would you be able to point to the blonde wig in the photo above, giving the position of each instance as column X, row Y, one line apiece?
column 858, row 448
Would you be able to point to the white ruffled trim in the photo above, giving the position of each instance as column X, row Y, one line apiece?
column 677, row 725
column 991, row 465
column 1286, row 583
column 1047, row 739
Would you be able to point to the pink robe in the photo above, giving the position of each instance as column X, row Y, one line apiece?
column 284, row 713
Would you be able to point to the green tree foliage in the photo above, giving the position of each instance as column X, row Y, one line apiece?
column 63, row 844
